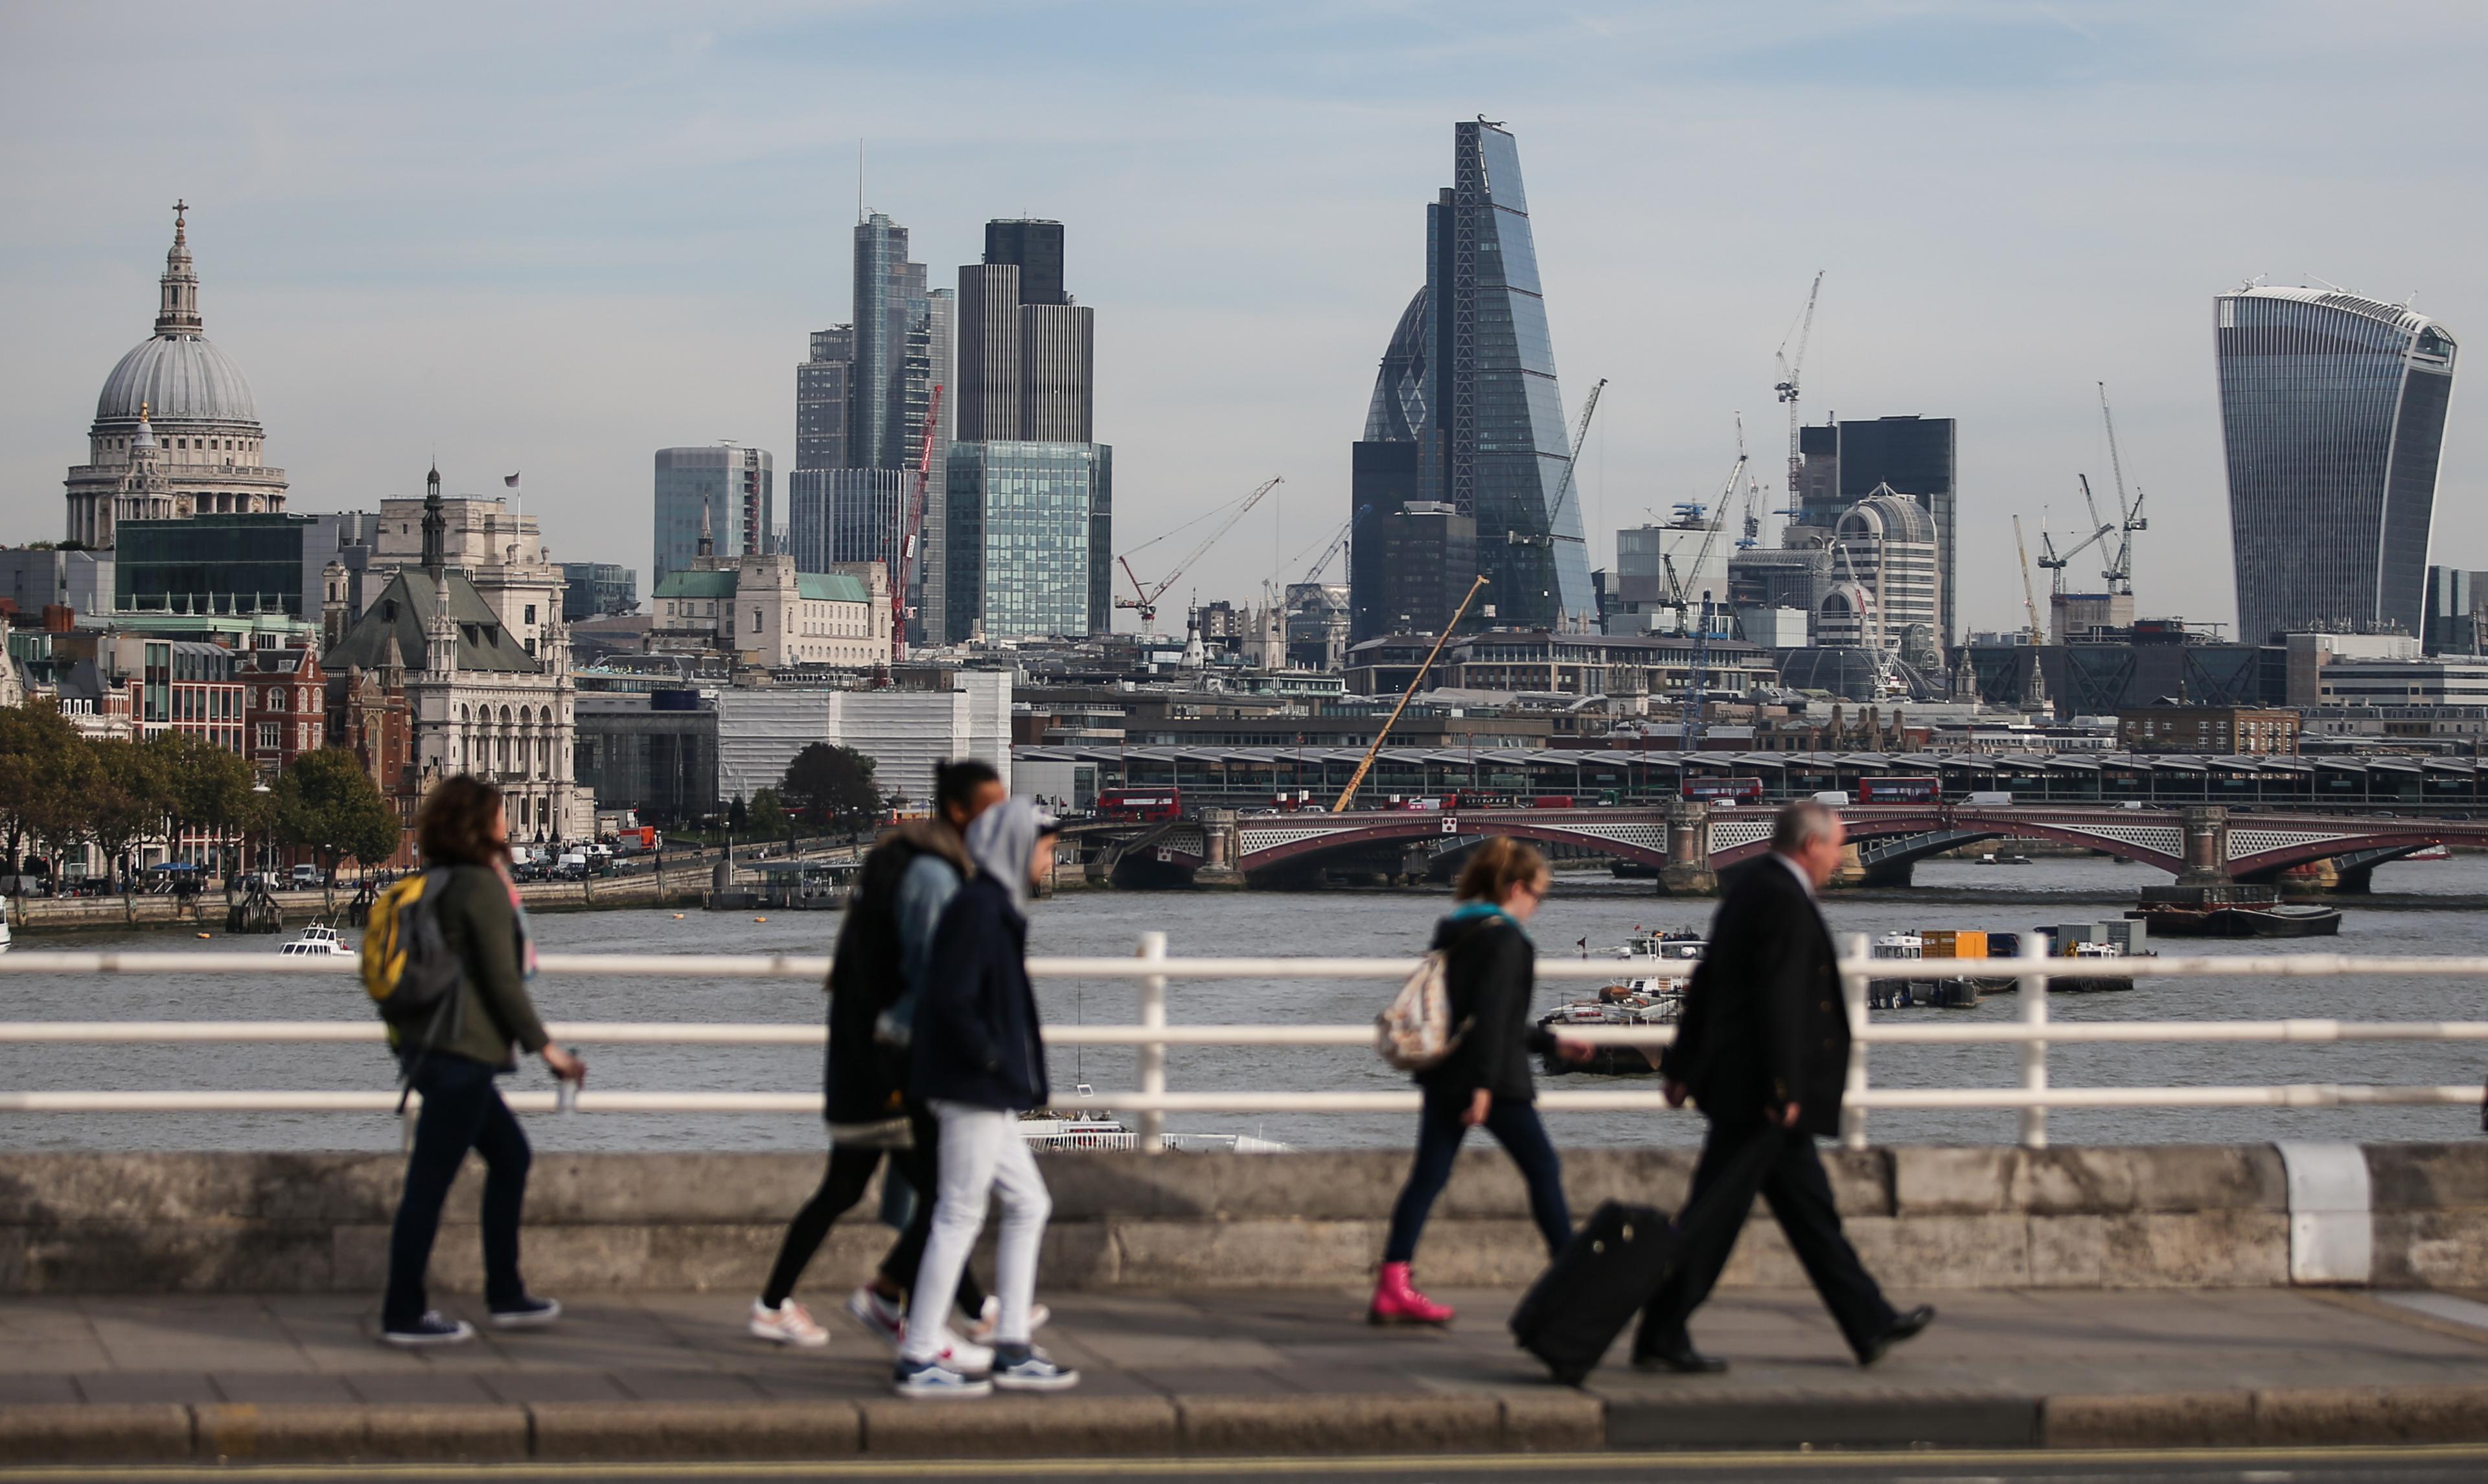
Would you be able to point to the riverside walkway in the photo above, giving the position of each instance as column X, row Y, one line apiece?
column 657, row 1376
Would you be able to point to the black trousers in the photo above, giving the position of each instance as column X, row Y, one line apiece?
column 1740, row 1160
column 842, row 1185
column 462, row 1110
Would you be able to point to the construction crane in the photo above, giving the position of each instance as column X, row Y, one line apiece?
column 903, row 579
column 1580, row 436
column 2057, row 561
column 1145, row 598
column 1365, row 766
column 2119, row 571
column 2030, row 603
column 1679, row 586
column 1696, row 676
column 1786, row 388
column 1331, row 548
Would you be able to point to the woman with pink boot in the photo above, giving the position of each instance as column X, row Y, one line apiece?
column 1490, row 972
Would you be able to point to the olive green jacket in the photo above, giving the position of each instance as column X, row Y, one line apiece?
column 480, row 928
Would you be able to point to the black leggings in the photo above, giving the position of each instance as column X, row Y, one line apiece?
column 843, row 1185
column 462, row 1110
column 1439, row 1131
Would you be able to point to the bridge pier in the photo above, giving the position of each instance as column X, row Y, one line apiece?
column 1687, row 872
column 2207, row 845
column 1221, row 847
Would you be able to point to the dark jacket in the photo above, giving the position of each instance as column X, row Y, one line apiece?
column 480, row 927
column 1763, row 1023
column 975, row 1021
column 1490, row 969
column 864, row 1081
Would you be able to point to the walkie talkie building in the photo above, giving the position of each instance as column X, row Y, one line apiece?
column 2333, row 412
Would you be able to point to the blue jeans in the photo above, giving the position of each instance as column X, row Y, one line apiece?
column 462, row 1110
column 1516, row 1126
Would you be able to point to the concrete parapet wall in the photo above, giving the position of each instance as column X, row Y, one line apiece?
column 2163, row 1215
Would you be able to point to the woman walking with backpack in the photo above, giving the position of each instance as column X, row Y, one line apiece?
column 465, row 836
column 1490, row 973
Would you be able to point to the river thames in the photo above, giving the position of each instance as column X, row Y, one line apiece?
column 1950, row 894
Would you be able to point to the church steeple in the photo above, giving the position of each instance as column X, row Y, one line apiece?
column 435, row 525
column 177, row 310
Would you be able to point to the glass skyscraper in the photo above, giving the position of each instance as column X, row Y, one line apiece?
column 2332, row 413
column 1470, row 379
column 1031, row 531
column 728, row 484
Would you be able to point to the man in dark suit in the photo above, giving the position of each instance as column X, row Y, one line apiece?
column 1762, row 1049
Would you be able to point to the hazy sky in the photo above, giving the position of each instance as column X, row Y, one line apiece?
column 555, row 239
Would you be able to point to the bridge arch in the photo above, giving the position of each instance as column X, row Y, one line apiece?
column 1414, row 826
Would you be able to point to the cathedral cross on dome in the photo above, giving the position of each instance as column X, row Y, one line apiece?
column 179, row 220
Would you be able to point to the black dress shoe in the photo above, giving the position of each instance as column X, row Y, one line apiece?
column 1683, row 1359
column 1905, row 1327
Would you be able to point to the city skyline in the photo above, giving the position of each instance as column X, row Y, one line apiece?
column 549, row 308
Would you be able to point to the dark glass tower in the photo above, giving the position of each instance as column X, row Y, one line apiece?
column 1469, row 379
column 2333, row 412
column 1035, row 249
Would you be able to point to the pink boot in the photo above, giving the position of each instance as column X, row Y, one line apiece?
column 1397, row 1301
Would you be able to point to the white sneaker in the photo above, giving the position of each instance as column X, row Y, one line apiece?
column 933, row 1379
column 966, row 1356
column 788, row 1324
column 990, row 1318
column 882, row 1316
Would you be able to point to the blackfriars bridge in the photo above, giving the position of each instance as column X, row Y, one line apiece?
column 1689, row 843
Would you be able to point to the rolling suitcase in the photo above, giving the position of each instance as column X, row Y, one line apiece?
column 1610, row 1268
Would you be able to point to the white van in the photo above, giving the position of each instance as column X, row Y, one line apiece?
column 1837, row 798
column 1989, row 798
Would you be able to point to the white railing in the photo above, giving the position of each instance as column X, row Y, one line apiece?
column 1152, row 968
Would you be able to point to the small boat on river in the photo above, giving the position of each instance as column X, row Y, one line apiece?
column 319, row 940
column 1649, row 991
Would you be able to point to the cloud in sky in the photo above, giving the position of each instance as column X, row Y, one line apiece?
column 558, row 238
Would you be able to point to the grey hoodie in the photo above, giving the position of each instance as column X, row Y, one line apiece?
column 1000, row 840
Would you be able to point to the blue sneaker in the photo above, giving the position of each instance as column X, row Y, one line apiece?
column 527, row 1313
column 430, row 1330
column 927, row 1379
column 1027, row 1368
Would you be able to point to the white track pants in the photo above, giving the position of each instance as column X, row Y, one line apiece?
column 983, row 1155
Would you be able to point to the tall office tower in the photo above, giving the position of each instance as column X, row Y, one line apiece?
column 883, row 287
column 824, row 400
column 730, row 484
column 835, row 516
column 1911, row 456
column 1469, row 379
column 1845, row 462
column 1886, row 551
column 2332, row 413
column 988, row 376
column 1035, row 249
column 1026, row 354
column 1031, row 540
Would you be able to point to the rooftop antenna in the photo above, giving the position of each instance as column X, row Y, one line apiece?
column 858, row 182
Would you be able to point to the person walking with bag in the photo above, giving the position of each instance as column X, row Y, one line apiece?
column 1763, row 1048
column 1485, row 1079
column 484, row 1022
column 884, row 945
column 978, row 1065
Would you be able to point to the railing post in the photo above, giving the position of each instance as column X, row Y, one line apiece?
column 2034, row 1052
column 1853, row 995
column 1152, row 1061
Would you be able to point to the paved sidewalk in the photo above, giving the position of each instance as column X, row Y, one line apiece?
column 1234, row 1371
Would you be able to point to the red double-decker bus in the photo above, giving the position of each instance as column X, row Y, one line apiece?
column 1141, row 805
column 1899, row 791
column 1724, row 790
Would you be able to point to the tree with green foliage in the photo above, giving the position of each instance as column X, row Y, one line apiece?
column 767, row 816
column 123, row 801
column 41, row 758
column 209, row 789
column 832, row 786
column 738, row 816
column 328, row 804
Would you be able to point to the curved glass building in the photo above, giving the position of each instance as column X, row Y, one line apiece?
column 2333, row 412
